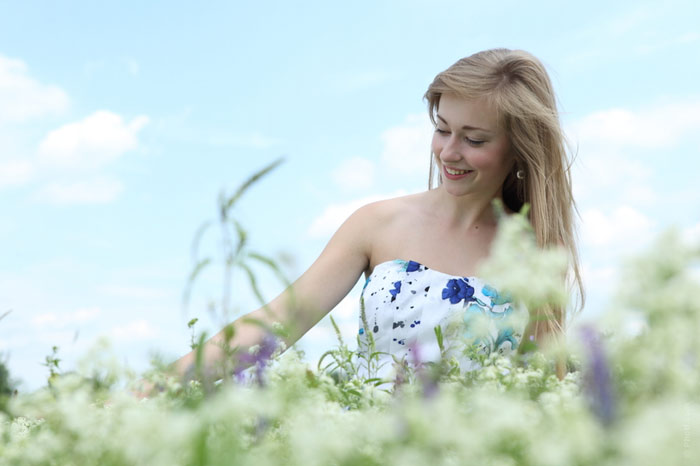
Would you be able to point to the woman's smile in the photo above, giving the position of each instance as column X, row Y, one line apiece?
column 454, row 174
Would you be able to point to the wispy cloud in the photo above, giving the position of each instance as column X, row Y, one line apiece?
column 139, row 329
column 80, row 149
column 407, row 146
column 691, row 234
column 624, row 227
column 360, row 80
column 253, row 140
column 356, row 173
column 641, row 29
column 621, row 151
column 15, row 172
column 137, row 292
column 674, row 41
column 63, row 320
column 323, row 334
column 99, row 190
column 91, row 142
column 127, row 65
column 22, row 97
column 660, row 125
column 335, row 214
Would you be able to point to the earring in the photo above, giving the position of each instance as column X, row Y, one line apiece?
column 520, row 174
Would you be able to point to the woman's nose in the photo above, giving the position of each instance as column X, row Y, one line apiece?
column 450, row 151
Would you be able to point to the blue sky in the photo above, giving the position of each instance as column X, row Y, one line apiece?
column 121, row 122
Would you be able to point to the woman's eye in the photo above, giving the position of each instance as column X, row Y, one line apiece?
column 473, row 142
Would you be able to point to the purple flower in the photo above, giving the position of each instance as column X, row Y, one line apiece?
column 597, row 378
column 430, row 386
column 458, row 289
column 259, row 359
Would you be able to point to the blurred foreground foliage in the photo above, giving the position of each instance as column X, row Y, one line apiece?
column 628, row 398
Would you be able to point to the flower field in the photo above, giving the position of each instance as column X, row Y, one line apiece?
column 625, row 400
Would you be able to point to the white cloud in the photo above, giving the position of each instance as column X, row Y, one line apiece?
column 657, row 126
column 132, row 66
column 674, row 41
column 624, row 228
column 356, row 173
column 91, row 142
column 112, row 67
column 351, row 82
column 335, row 214
column 135, row 330
column 254, row 140
column 407, row 146
column 598, row 172
column 86, row 314
column 691, row 234
column 323, row 334
column 62, row 320
column 631, row 19
column 599, row 278
column 347, row 308
column 15, row 172
column 618, row 150
column 23, row 97
column 138, row 292
column 45, row 319
column 98, row 190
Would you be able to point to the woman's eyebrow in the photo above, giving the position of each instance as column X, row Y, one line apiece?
column 465, row 126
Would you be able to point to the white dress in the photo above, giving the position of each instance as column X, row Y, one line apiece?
column 404, row 301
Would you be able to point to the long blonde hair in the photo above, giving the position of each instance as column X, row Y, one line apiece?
column 518, row 87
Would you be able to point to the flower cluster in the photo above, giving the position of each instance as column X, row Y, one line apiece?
column 626, row 399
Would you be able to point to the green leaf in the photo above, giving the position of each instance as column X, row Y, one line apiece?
column 253, row 282
column 242, row 236
column 248, row 183
column 337, row 332
column 438, row 335
column 198, row 238
column 271, row 264
column 201, row 265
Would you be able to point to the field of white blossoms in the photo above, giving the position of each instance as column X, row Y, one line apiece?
column 625, row 400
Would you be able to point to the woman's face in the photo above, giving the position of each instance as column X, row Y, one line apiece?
column 471, row 150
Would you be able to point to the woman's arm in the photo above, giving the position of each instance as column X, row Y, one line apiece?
column 329, row 279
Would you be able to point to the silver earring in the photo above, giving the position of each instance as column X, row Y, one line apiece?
column 520, row 174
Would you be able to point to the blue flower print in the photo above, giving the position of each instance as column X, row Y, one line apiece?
column 458, row 289
column 506, row 335
column 496, row 297
column 470, row 312
column 501, row 315
column 469, row 315
column 408, row 266
column 395, row 291
column 412, row 266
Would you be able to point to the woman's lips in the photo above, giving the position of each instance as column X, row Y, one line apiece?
column 455, row 177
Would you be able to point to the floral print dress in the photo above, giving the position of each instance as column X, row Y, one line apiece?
column 403, row 301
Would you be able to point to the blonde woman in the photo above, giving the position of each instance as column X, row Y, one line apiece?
column 497, row 136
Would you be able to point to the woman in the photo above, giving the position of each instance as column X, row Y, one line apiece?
column 497, row 136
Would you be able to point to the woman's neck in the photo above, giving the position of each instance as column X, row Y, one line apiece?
column 465, row 212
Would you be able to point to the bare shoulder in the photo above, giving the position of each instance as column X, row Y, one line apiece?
column 384, row 211
column 383, row 222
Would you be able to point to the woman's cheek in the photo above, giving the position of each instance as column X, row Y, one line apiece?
column 482, row 161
